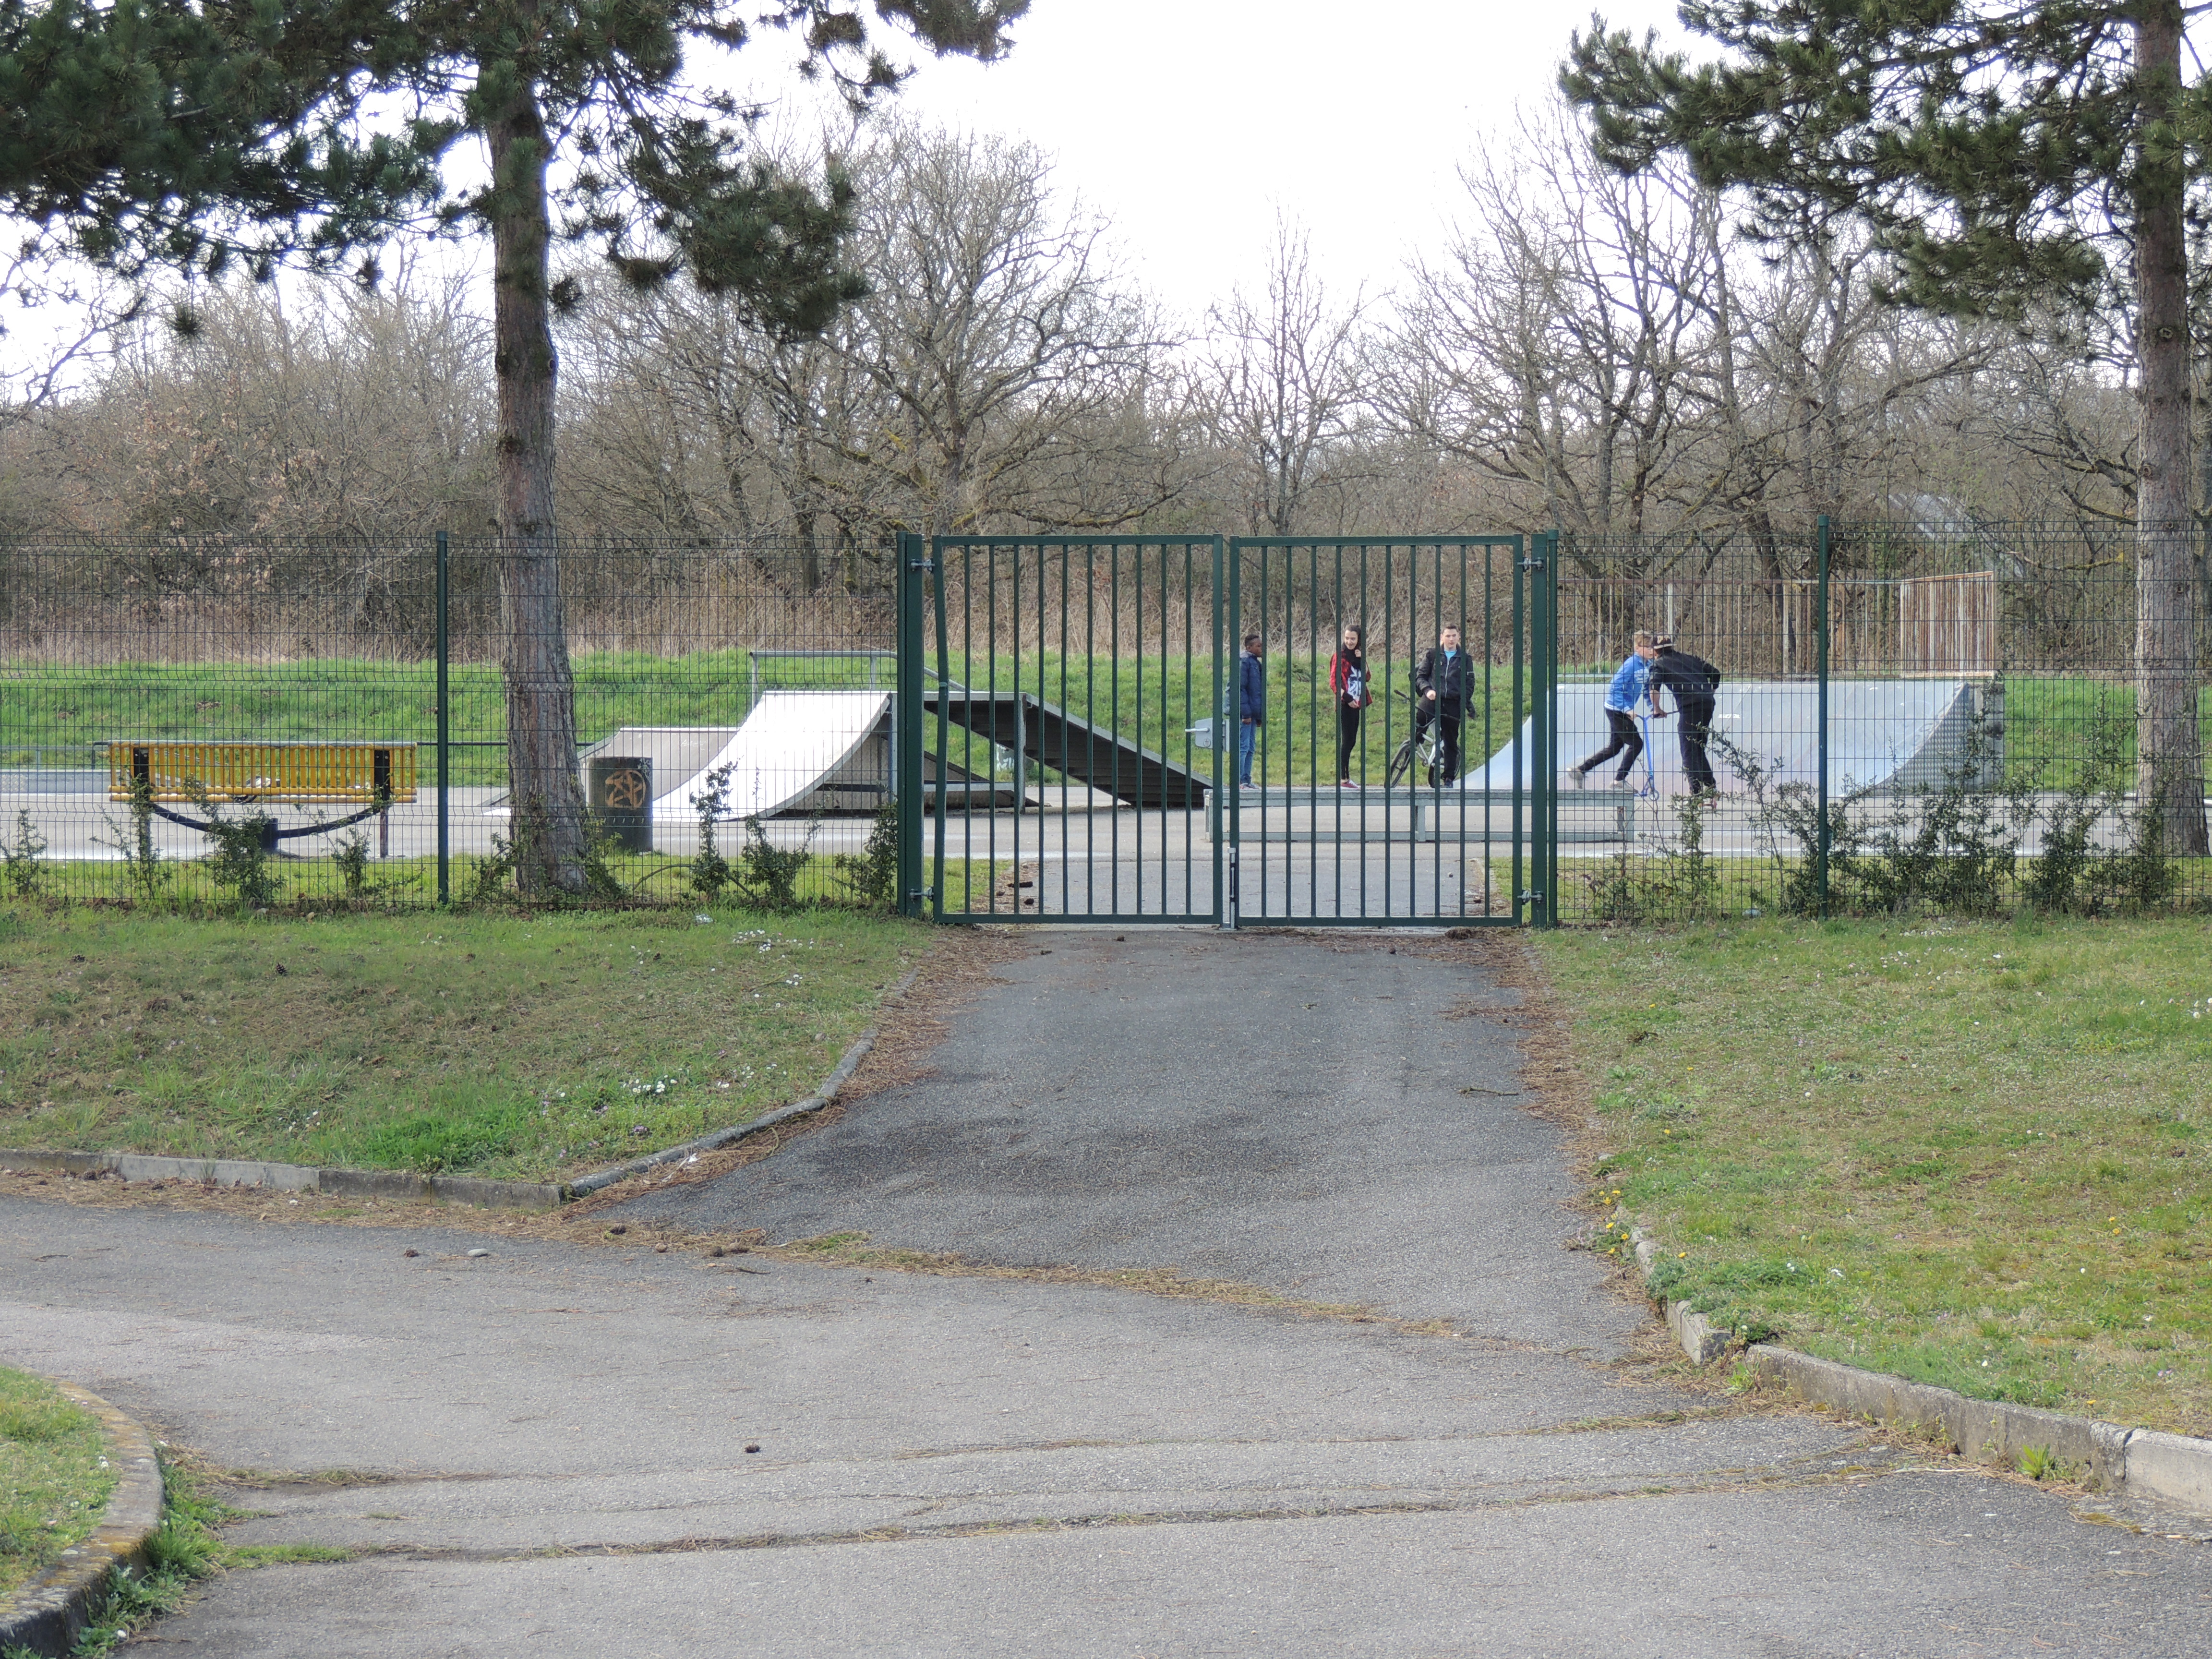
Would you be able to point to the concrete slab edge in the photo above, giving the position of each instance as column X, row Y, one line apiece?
column 847, row 1065
column 48, row 1614
column 294, row 1178
column 2175, row 1468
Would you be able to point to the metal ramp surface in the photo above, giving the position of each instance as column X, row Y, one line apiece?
column 1052, row 736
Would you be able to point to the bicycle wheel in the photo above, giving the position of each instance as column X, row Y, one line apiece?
column 1402, row 762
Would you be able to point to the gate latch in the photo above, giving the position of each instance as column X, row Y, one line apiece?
column 1532, row 898
column 928, row 567
column 1532, row 564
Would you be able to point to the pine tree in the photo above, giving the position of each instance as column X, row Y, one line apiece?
column 2002, row 152
column 211, row 134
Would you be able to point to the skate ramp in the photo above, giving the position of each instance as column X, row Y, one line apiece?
column 1883, row 734
column 793, row 744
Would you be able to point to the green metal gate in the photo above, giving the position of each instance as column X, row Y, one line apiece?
column 1070, row 717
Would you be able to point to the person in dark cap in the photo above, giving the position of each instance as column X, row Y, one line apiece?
column 1696, row 686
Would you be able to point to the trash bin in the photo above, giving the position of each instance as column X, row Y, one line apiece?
column 621, row 794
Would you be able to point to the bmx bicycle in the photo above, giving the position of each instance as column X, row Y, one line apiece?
column 1424, row 746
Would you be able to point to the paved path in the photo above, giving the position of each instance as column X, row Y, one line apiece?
column 551, row 1442
column 1338, row 1124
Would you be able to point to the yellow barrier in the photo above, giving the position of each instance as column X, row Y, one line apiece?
column 354, row 773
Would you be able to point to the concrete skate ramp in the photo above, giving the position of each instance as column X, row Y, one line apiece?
column 1883, row 734
column 791, row 744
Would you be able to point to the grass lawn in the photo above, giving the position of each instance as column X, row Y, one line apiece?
column 1971, row 1155
column 529, row 1047
column 54, row 1476
column 56, row 715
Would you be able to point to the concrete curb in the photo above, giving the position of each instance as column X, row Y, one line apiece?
column 296, row 1178
column 857, row 1052
column 2175, row 1468
column 48, row 1614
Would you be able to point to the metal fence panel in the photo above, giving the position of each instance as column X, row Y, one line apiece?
column 320, row 646
column 1076, row 704
column 1413, row 811
column 1912, row 718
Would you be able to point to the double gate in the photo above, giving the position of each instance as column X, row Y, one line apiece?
column 1071, row 710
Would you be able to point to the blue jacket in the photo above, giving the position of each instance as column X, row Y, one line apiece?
column 1629, row 682
column 1251, row 689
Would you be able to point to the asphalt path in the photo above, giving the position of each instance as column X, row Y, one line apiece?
column 1340, row 1124
column 548, row 1449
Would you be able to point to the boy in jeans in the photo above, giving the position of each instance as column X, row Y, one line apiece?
column 1631, row 684
column 1251, row 707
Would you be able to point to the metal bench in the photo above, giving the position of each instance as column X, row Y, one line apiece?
column 370, row 777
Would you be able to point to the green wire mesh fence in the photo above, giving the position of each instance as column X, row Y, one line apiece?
column 1908, row 717
column 229, row 720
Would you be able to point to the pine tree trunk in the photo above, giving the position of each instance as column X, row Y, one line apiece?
column 2170, row 758
column 547, row 803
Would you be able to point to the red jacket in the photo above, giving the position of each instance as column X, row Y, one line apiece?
column 1341, row 669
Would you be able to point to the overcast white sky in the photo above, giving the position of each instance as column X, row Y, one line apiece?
column 1189, row 122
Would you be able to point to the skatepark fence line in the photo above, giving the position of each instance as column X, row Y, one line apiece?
column 674, row 646
column 1912, row 716
column 1901, row 702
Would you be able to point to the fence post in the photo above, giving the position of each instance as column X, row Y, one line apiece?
column 1228, row 699
column 1820, row 667
column 445, row 729
column 906, row 763
column 922, row 802
column 1546, row 732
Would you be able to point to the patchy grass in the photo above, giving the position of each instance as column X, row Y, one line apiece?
column 497, row 1045
column 1974, row 1156
column 55, row 1477
column 304, row 882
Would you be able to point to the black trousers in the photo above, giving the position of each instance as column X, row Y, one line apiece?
column 1347, row 738
column 1447, row 713
column 1627, row 743
column 1696, row 714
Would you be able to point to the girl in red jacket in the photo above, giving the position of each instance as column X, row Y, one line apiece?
column 1347, row 678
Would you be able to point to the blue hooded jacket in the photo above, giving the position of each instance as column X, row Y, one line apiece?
column 1629, row 683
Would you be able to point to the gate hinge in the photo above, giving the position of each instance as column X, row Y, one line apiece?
column 922, row 894
column 928, row 567
column 1532, row 564
column 1532, row 898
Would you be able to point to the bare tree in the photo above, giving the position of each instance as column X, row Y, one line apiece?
column 999, row 370
column 1556, row 345
column 336, row 411
column 1280, row 376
